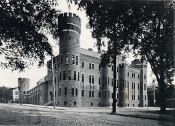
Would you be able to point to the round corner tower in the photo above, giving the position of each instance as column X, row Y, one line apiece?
column 123, row 68
column 69, row 93
column 23, row 84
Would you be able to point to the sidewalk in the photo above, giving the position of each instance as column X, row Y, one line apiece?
column 152, row 113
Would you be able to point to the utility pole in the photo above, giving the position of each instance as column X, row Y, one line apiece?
column 53, row 83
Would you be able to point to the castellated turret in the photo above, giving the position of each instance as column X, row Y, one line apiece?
column 23, row 84
column 69, row 85
column 105, row 100
column 142, row 65
column 123, row 69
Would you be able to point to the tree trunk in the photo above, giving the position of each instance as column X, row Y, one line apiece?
column 162, row 95
column 114, row 86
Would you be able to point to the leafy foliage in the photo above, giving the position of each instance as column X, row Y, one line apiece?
column 21, row 32
column 5, row 94
column 145, row 27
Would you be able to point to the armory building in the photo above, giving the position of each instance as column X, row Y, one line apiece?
column 79, row 78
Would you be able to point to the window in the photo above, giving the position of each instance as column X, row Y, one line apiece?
column 65, row 91
column 82, row 64
column 55, row 79
column 92, row 79
column 75, row 103
column 92, row 66
column 138, row 97
column 76, row 60
column 69, row 74
column 61, row 59
column 65, row 103
column 89, row 93
column 72, row 91
column 64, row 75
column 89, row 65
column 67, row 58
column 138, row 86
column 60, row 75
column 99, row 94
column 16, row 92
column 73, row 59
column 89, row 78
column 78, row 76
column 145, row 97
column 132, row 86
column 138, row 76
column 99, row 67
column 92, row 104
column 74, row 75
column 92, row 93
column 55, row 66
column 117, row 69
column 82, row 92
column 82, row 77
column 112, row 68
column 76, row 92
column 128, row 74
column 99, row 81
column 144, row 76
column 144, row 86
column 108, row 80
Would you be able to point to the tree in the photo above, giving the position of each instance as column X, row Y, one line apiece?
column 155, row 40
column 111, row 20
column 21, row 32
column 5, row 94
column 144, row 26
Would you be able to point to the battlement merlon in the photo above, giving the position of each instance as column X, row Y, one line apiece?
column 70, row 18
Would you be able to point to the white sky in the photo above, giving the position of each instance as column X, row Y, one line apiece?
column 10, row 79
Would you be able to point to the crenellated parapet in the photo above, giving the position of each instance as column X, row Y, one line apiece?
column 69, row 21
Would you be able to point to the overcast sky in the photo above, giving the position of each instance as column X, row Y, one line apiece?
column 10, row 79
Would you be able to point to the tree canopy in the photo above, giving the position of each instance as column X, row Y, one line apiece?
column 21, row 32
column 145, row 27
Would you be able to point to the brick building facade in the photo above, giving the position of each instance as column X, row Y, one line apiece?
column 81, row 81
